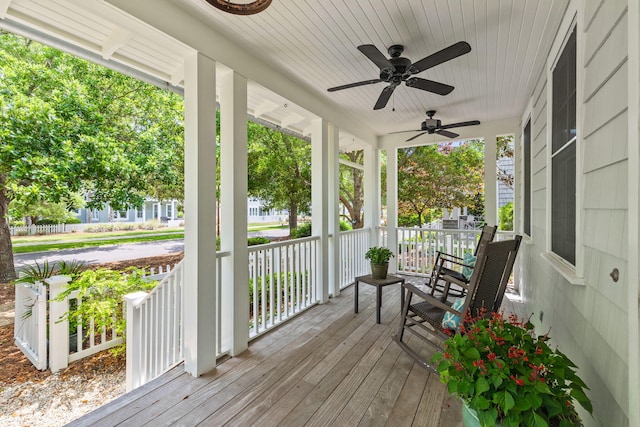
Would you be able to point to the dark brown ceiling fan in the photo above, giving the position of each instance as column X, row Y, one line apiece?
column 431, row 126
column 397, row 69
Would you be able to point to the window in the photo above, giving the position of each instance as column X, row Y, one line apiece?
column 95, row 214
column 563, row 154
column 155, row 210
column 139, row 213
column 526, row 142
column 169, row 211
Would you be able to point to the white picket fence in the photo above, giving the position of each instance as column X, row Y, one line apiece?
column 32, row 230
column 42, row 332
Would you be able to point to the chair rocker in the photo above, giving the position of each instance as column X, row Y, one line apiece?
column 445, row 263
column 422, row 313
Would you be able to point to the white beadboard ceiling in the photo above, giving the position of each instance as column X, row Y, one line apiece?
column 314, row 43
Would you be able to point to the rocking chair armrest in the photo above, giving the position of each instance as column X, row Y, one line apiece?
column 446, row 255
column 453, row 261
column 430, row 299
column 453, row 280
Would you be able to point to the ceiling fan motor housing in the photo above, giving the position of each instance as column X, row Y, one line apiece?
column 431, row 124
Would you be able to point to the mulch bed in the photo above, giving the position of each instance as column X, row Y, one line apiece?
column 16, row 368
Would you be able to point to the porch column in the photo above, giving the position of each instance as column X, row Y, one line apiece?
column 233, row 204
column 392, row 206
column 490, row 181
column 372, row 192
column 320, row 202
column 199, row 304
column 334, row 212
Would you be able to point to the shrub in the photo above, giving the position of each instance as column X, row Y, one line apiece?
column 252, row 241
column 345, row 225
column 303, row 230
column 101, row 292
column 506, row 217
column 36, row 272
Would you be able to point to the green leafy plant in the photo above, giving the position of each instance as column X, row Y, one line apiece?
column 101, row 292
column 71, row 268
column 378, row 255
column 510, row 376
column 506, row 216
column 36, row 272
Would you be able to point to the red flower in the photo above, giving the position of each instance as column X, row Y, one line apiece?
column 491, row 356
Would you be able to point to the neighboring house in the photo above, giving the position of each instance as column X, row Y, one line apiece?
column 256, row 212
column 505, row 192
column 152, row 210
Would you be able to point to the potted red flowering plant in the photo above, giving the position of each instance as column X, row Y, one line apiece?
column 506, row 375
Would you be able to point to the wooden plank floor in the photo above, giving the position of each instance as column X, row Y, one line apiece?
column 329, row 366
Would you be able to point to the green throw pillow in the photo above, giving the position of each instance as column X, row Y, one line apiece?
column 468, row 259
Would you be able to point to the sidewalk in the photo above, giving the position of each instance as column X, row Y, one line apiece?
column 7, row 312
column 93, row 239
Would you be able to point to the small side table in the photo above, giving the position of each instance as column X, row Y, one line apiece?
column 378, row 283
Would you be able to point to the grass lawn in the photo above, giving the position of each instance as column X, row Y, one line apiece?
column 84, row 236
column 53, row 246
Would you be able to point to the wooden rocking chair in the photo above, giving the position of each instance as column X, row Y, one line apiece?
column 445, row 263
column 422, row 314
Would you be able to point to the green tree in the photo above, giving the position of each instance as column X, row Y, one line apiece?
column 69, row 126
column 351, row 188
column 438, row 176
column 506, row 216
column 279, row 170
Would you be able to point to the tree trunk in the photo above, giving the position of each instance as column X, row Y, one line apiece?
column 293, row 217
column 7, row 268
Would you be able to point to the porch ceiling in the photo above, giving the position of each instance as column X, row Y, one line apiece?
column 313, row 44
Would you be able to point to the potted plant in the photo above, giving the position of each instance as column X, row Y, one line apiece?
column 379, row 257
column 505, row 375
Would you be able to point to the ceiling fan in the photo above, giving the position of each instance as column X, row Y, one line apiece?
column 431, row 126
column 397, row 69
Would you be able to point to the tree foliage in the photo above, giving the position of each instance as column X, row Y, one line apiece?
column 279, row 170
column 69, row 126
column 351, row 188
column 438, row 176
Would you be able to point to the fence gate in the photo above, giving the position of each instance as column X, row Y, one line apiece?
column 30, row 323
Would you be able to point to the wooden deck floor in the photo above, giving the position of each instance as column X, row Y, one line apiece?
column 328, row 366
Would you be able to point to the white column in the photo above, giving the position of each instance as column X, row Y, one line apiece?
column 490, row 181
column 392, row 206
column 233, row 189
column 199, row 310
column 320, row 201
column 333, row 209
column 372, row 192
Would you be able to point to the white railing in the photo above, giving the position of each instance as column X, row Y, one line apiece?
column 31, row 230
column 282, row 282
column 30, row 322
column 417, row 247
column 65, row 345
column 155, row 329
column 353, row 245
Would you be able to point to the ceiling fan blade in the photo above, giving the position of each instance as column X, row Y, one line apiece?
column 415, row 136
column 375, row 56
column 350, row 85
column 384, row 96
column 429, row 85
column 446, row 54
column 447, row 133
column 461, row 124
column 404, row 131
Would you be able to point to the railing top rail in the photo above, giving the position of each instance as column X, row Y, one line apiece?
column 223, row 254
column 255, row 248
column 357, row 230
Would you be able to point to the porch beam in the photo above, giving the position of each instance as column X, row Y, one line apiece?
column 490, row 180
column 233, row 195
column 199, row 313
column 334, row 211
column 371, row 192
column 392, row 205
column 320, row 202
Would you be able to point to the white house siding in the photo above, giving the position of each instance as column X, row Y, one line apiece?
column 589, row 321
